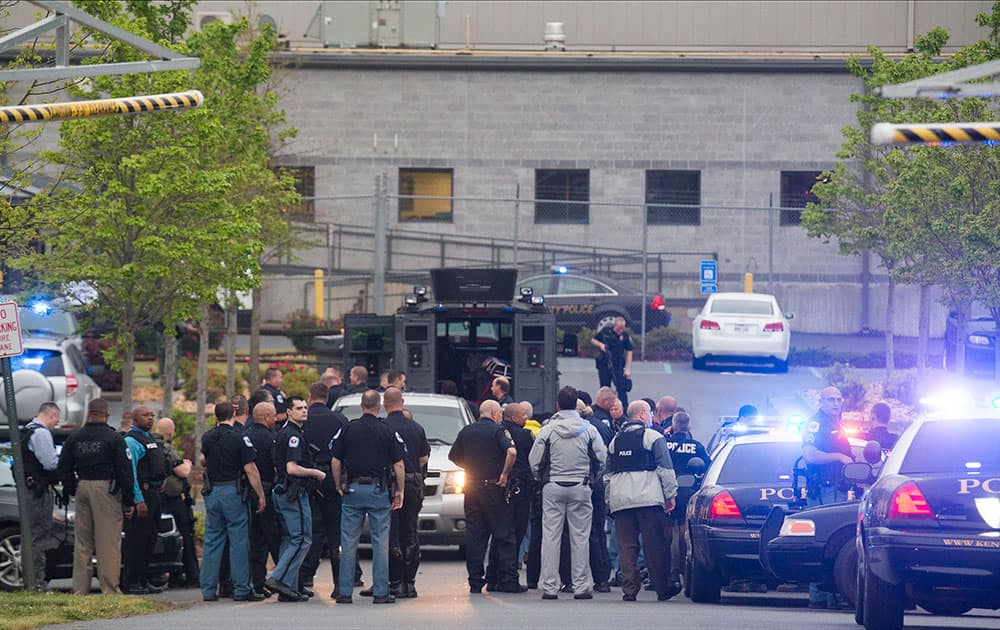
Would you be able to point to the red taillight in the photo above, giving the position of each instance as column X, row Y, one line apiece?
column 71, row 385
column 724, row 507
column 657, row 303
column 707, row 324
column 909, row 502
column 775, row 327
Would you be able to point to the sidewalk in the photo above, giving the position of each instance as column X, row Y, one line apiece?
column 862, row 344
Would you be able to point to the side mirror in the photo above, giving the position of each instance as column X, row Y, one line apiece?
column 686, row 481
column 873, row 453
column 695, row 466
column 570, row 345
column 859, row 472
column 789, row 315
column 693, row 312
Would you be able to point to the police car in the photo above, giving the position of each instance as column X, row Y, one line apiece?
column 929, row 528
column 748, row 475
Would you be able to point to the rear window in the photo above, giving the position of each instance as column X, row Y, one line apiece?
column 40, row 318
column 439, row 422
column 954, row 446
column 48, row 362
column 742, row 307
column 760, row 463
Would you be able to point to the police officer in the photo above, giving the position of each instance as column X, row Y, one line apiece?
column 486, row 451
column 96, row 464
column 293, row 481
column 265, row 530
column 176, row 500
column 683, row 448
column 150, row 468
column 272, row 383
column 363, row 455
column 404, row 544
column 229, row 464
column 500, row 390
column 320, row 427
column 614, row 364
column 40, row 461
column 880, row 416
column 825, row 450
column 520, row 487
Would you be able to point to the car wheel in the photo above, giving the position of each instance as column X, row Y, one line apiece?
column 944, row 608
column 605, row 319
column 845, row 571
column 705, row 585
column 10, row 559
column 697, row 363
column 883, row 603
column 780, row 366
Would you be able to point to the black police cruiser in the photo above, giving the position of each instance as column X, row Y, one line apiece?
column 747, row 477
column 929, row 528
column 468, row 330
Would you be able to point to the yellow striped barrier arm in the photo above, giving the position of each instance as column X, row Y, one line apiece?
column 936, row 133
column 102, row 107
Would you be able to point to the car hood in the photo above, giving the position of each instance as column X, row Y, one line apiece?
column 439, row 458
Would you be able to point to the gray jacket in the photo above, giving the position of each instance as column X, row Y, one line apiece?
column 643, row 488
column 568, row 436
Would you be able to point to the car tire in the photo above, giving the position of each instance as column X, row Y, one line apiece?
column 883, row 603
column 698, row 363
column 845, row 571
column 705, row 585
column 945, row 608
column 606, row 318
column 10, row 559
column 780, row 366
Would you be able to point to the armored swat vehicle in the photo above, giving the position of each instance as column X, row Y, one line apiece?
column 468, row 329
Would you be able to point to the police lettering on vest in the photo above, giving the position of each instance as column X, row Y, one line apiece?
column 629, row 454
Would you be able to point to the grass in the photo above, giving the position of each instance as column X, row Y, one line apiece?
column 32, row 610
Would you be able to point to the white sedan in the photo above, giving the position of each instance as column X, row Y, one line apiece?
column 741, row 326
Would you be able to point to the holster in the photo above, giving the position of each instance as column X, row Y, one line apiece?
column 206, row 488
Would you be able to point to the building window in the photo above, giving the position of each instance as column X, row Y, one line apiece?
column 305, row 185
column 796, row 192
column 425, row 194
column 673, row 197
column 558, row 195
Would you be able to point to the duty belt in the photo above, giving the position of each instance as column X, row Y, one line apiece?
column 364, row 480
column 414, row 476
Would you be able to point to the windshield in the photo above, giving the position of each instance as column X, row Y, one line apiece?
column 767, row 462
column 439, row 422
column 957, row 446
column 742, row 307
column 48, row 320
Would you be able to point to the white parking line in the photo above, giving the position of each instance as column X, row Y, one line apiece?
column 815, row 372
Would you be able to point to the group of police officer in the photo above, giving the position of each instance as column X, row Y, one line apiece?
column 561, row 477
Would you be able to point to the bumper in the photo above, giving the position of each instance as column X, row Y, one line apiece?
column 442, row 520
column 794, row 560
column 937, row 565
column 756, row 347
column 734, row 553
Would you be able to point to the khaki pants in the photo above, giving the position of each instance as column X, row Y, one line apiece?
column 98, row 528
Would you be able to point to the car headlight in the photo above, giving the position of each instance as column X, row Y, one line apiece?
column 454, row 482
column 797, row 527
column 979, row 340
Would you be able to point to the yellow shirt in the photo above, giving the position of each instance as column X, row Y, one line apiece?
column 533, row 426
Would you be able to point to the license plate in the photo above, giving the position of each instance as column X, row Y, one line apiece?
column 741, row 328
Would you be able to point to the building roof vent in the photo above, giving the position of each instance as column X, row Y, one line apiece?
column 555, row 36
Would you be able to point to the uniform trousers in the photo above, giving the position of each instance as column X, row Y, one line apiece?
column 42, row 531
column 404, row 541
column 178, row 508
column 296, row 518
column 489, row 521
column 569, row 505
column 97, row 528
column 534, row 562
column 520, row 508
column 326, row 514
column 140, row 538
column 226, row 515
column 265, row 539
column 363, row 499
column 650, row 523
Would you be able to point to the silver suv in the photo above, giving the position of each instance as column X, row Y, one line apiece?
column 52, row 368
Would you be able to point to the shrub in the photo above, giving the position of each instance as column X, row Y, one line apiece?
column 303, row 326
column 903, row 386
column 665, row 344
column 848, row 381
column 215, row 384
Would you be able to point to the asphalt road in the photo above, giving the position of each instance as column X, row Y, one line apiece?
column 445, row 603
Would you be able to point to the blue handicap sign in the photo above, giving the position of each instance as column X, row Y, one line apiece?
column 709, row 288
column 709, row 272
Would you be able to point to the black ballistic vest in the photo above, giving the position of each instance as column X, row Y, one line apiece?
column 629, row 454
